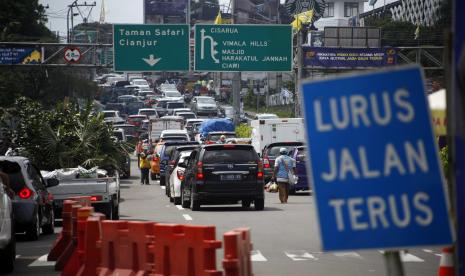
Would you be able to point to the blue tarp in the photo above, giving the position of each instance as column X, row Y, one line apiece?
column 216, row 125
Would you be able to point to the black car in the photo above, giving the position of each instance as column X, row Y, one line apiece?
column 223, row 174
column 271, row 152
column 166, row 153
column 172, row 162
column 32, row 204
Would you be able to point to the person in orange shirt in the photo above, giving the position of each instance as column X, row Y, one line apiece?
column 155, row 166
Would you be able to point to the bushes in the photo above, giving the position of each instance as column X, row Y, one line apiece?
column 243, row 131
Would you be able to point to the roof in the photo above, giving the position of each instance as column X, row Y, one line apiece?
column 147, row 109
column 13, row 158
column 222, row 132
column 174, row 131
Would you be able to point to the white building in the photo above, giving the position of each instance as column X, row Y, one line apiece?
column 338, row 12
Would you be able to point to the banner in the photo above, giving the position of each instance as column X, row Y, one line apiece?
column 23, row 55
column 165, row 11
column 349, row 57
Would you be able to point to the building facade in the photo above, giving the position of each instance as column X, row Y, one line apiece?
column 340, row 13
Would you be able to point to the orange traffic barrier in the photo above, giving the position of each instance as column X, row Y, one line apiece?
column 237, row 249
column 185, row 250
column 446, row 265
column 64, row 238
column 92, row 252
column 125, row 248
column 77, row 257
column 66, row 254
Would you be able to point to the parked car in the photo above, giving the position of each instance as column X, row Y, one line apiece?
column 33, row 205
column 204, row 105
column 271, row 152
column 112, row 116
column 136, row 120
column 165, row 150
column 223, row 174
column 177, row 176
column 7, row 234
column 174, row 134
column 149, row 112
column 172, row 162
column 171, row 106
column 299, row 154
column 187, row 115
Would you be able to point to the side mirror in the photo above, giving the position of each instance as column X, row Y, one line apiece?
column 52, row 182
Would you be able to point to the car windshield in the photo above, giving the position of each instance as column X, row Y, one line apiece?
column 172, row 94
column 175, row 105
column 140, row 82
column 128, row 130
column 216, row 137
column 229, row 156
column 274, row 150
column 109, row 114
column 14, row 173
column 161, row 104
column 206, row 100
column 118, row 135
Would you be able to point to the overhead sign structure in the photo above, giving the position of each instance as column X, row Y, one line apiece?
column 237, row 48
column 331, row 57
column 374, row 162
column 144, row 48
column 20, row 55
column 72, row 55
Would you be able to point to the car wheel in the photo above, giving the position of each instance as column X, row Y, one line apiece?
column 177, row 200
column 108, row 211
column 246, row 203
column 33, row 230
column 292, row 191
column 50, row 228
column 153, row 176
column 8, row 255
column 259, row 204
column 185, row 203
column 162, row 181
column 195, row 204
column 115, row 215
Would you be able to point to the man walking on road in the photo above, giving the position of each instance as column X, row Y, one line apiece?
column 144, row 165
column 283, row 164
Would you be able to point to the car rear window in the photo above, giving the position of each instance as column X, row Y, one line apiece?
column 229, row 156
column 274, row 150
column 14, row 173
column 216, row 137
column 148, row 113
column 169, row 150
column 175, row 105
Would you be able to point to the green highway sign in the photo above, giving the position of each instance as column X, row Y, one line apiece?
column 237, row 48
column 145, row 47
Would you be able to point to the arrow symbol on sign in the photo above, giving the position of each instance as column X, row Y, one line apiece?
column 151, row 60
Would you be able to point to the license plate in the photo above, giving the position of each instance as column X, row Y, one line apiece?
column 230, row 177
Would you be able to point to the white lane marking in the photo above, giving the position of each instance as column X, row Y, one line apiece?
column 187, row 217
column 407, row 257
column 428, row 250
column 439, row 255
column 163, row 187
column 348, row 255
column 257, row 256
column 179, row 207
column 42, row 261
column 299, row 255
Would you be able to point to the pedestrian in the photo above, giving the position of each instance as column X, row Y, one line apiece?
column 283, row 164
column 144, row 166
column 222, row 140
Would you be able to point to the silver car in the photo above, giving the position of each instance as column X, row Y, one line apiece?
column 204, row 105
column 7, row 236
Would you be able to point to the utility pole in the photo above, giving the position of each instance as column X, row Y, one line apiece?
column 236, row 81
column 72, row 14
column 298, row 76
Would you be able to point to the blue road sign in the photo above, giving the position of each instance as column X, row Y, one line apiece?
column 374, row 162
column 23, row 55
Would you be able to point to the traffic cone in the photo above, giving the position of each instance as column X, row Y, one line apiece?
column 446, row 265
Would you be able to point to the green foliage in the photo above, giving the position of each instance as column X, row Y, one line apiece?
column 444, row 155
column 243, row 131
column 62, row 137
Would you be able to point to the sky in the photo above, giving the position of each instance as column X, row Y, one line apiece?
column 116, row 11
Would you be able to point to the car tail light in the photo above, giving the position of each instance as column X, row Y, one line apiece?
column 266, row 163
column 180, row 175
column 199, row 175
column 229, row 146
column 96, row 198
column 25, row 193
column 259, row 170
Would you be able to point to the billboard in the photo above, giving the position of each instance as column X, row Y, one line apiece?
column 21, row 55
column 349, row 57
column 165, row 11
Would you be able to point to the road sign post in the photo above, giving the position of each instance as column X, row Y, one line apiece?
column 144, row 48
column 374, row 162
column 239, row 48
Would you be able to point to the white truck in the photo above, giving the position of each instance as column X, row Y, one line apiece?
column 103, row 189
column 157, row 125
column 268, row 131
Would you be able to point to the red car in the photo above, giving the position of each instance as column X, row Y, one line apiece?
column 136, row 120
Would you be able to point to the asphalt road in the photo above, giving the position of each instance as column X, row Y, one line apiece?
column 285, row 237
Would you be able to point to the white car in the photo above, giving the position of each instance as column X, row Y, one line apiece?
column 7, row 236
column 175, row 135
column 141, row 83
column 149, row 112
column 177, row 176
column 112, row 116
